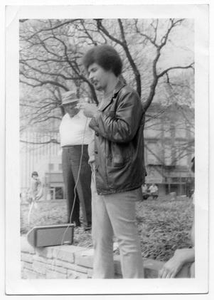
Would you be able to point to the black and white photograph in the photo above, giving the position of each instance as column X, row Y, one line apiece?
column 107, row 150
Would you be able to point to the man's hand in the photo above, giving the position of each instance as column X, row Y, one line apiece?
column 179, row 259
column 170, row 268
column 89, row 109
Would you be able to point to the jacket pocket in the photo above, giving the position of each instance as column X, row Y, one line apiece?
column 120, row 154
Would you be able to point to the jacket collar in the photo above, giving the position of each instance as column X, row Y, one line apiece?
column 117, row 88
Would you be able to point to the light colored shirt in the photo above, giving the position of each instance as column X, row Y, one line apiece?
column 153, row 188
column 36, row 189
column 144, row 188
column 75, row 130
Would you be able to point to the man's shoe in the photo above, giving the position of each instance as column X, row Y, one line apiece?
column 76, row 224
column 87, row 228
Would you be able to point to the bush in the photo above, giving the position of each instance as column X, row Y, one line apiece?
column 164, row 226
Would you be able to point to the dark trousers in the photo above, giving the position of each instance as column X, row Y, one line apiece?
column 74, row 174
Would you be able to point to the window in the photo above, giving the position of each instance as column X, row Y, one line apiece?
column 51, row 167
column 181, row 153
column 153, row 154
column 167, row 155
column 175, row 179
column 58, row 193
column 152, row 128
column 180, row 130
column 60, row 167
column 167, row 129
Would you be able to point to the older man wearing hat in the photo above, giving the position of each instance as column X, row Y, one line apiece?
column 75, row 136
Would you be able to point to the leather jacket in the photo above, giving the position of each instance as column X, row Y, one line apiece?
column 118, row 144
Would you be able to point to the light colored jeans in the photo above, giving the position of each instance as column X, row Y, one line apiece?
column 115, row 215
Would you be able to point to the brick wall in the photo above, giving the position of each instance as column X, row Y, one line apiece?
column 68, row 262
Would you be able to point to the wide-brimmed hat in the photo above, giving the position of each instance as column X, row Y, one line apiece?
column 69, row 97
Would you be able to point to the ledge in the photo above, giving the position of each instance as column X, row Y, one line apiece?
column 68, row 261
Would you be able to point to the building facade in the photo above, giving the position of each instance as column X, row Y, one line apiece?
column 169, row 148
column 41, row 152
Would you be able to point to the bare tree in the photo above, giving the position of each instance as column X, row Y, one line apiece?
column 51, row 52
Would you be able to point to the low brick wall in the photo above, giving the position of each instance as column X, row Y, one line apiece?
column 68, row 262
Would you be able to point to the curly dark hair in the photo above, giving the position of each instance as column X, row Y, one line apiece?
column 34, row 174
column 106, row 57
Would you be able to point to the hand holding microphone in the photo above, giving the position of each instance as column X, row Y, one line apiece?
column 89, row 109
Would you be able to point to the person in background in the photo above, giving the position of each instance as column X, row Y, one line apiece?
column 153, row 189
column 36, row 190
column 74, row 138
column 36, row 193
column 117, row 164
column 182, row 263
column 145, row 191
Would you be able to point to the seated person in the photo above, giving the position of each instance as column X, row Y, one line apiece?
column 153, row 191
column 182, row 264
column 145, row 191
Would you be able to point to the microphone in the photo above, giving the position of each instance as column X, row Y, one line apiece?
column 82, row 101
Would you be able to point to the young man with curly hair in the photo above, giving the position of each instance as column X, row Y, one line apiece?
column 116, row 157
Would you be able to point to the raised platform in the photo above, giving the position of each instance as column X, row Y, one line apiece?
column 68, row 262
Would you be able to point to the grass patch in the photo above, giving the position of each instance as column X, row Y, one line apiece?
column 164, row 225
